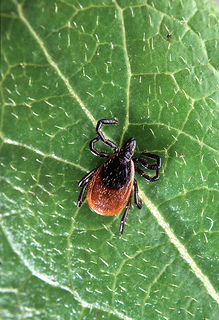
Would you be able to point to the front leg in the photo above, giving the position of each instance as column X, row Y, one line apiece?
column 153, row 156
column 101, row 137
column 146, row 177
column 94, row 151
column 146, row 165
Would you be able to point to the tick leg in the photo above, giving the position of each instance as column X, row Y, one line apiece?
column 94, row 151
column 101, row 137
column 81, row 197
column 146, row 177
column 153, row 156
column 122, row 224
column 82, row 181
column 146, row 165
column 136, row 199
column 100, row 134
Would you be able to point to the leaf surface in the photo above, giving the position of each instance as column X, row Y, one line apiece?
column 154, row 66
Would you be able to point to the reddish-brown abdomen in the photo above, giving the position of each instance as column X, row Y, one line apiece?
column 108, row 201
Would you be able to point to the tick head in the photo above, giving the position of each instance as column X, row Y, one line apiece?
column 128, row 149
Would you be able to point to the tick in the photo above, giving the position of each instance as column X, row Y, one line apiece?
column 110, row 185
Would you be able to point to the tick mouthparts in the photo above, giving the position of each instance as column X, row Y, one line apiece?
column 128, row 148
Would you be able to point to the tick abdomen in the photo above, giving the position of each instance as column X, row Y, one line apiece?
column 109, row 190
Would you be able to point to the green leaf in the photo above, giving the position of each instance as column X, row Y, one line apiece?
column 154, row 66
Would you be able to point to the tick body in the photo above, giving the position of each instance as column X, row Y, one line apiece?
column 110, row 185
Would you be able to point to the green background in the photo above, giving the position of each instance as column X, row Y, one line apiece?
column 154, row 66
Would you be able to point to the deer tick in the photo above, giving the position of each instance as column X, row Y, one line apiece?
column 110, row 185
